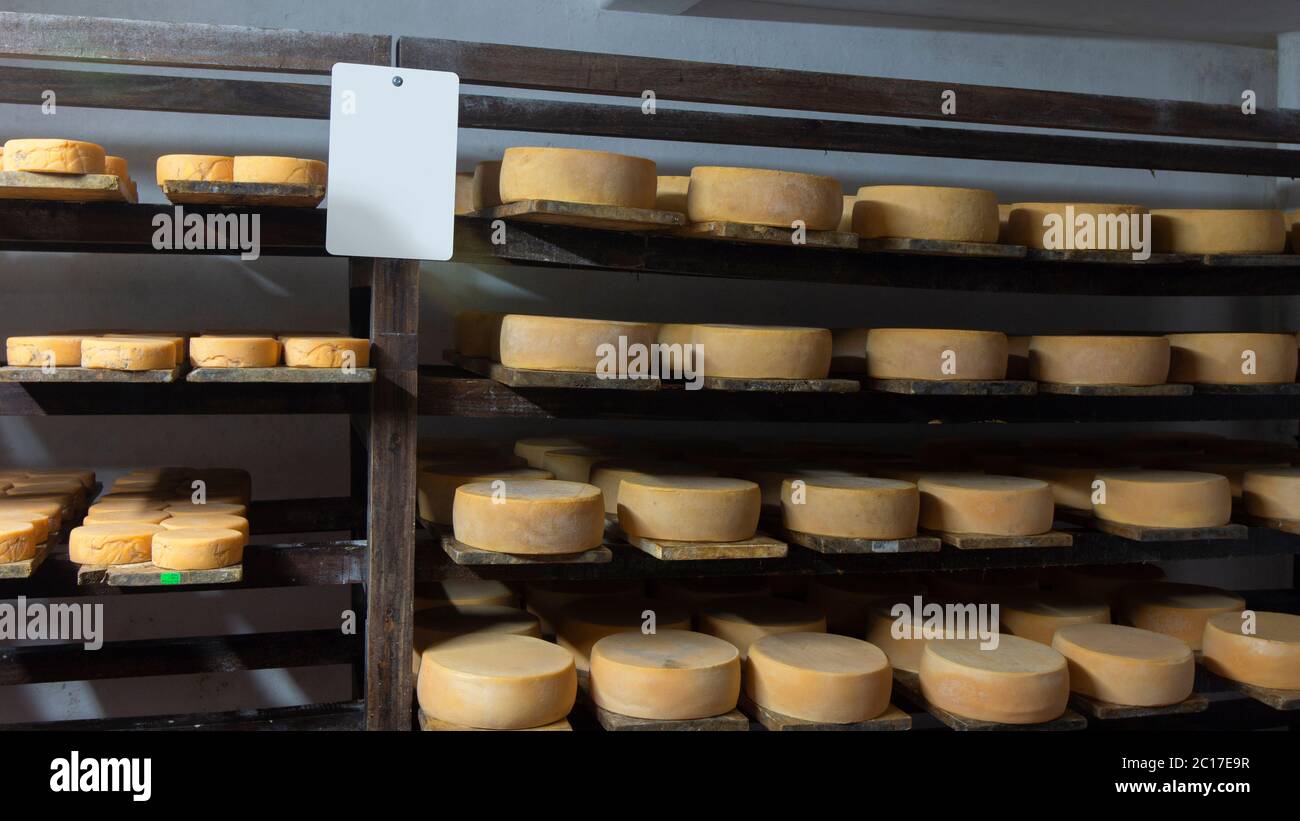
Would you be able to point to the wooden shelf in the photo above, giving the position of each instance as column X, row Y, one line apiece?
column 347, row 715
column 283, row 376
column 182, row 397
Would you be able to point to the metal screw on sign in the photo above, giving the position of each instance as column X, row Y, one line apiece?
column 397, row 81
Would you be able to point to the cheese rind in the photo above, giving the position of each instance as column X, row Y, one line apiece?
column 573, row 464
column 202, row 167
column 1272, row 493
column 764, row 197
column 1178, row 610
column 744, row 620
column 21, row 509
column 487, row 185
column 763, row 352
column 284, row 170
column 496, row 681
column 851, row 507
column 234, row 352
column 464, row 201
column 39, row 521
column 53, row 157
column 465, row 593
column 325, row 351
column 533, row 449
column 993, row 505
column 17, row 540
column 436, row 625
column 529, row 516
column 1099, row 360
column 192, row 509
column 1227, row 358
column 583, row 622
column 436, row 485
column 936, row 355
column 1164, row 498
column 139, row 517
column 111, row 544
column 818, row 677
column 1018, row 682
column 609, row 476
column 1213, row 231
column 222, row 521
column 669, row 675
column 577, row 175
column 1025, row 220
column 550, row 343
column 127, row 354
column 1269, row 657
column 197, row 548
column 926, row 212
column 38, row 351
column 688, row 508
column 1038, row 615
column 1126, row 665
column 670, row 193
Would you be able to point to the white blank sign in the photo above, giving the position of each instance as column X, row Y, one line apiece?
column 392, row 162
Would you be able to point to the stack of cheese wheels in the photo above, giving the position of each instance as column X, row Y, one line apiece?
column 744, row 620
column 573, row 464
column 849, row 350
column 202, row 167
column 1099, row 360
column 197, row 548
column 436, row 625
column 1037, row 615
column 667, row 675
column 325, row 351
column 533, row 450
column 478, row 334
column 1178, row 610
column 278, row 170
column 901, row 627
column 936, row 355
column 846, row 601
column 1164, row 498
column 1101, row 582
column 552, row 343
column 462, row 593
column 1210, row 231
column 45, row 517
column 487, row 185
column 54, row 157
column 577, row 175
column 694, row 594
column 583, row 622
column 1254, row 647
column 41, row 351
column 926, row 212
column 544, row 599
column 112, row 544
column 1028, row 223
column 436, row 484
column 688, row 508
column 1018, row 357
column 991, row 505
column 1272, row 493
column 670, row 193
column 464, row 203
column 846, row 214
column 762, row 197
column 496, row 681
column 538, row 517
column 609, row 475
column 1232, row 358
column 818, row 677
column 1071, row 477
column 221, row 351
column 1017, row 682
column 128, row 353
column 18, row 540
column 851, row 507
column 763, row 352
column 1126, row 665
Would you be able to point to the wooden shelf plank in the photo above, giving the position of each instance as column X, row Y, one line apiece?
column 892, row 720
column 955, row 387
column 1106, row 711
column 341, row 716
column 1062, row 389
column 602, row 217
column 243, row 194
column 283, row 375
column 147, row 574
column 80, row 399
column 70, row 374
column 21, row 185
column 464, row 554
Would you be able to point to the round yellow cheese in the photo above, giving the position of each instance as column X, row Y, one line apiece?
column 20, row 508
column 464, row 200
column 1227, row 358
column 1268, row 657
column 128, row 354
column 1099, row 360
column 764, row 352
column 146, row 517
column 1025, row 222
column 552, row 343
column 609, row 475
column 670, row 675
column 40, row 523
column 17, row 540
column 113, row 503
column 1178, row 610
column 207, row 521
column 818, row 677
column 764, row 197
column 847, row 600
column 670, row 193
column 771, row 477
column 1018, row 682
column 477, row 334
column 546, row 598
column 529, row 516
column 1037, row 615
column 1070, row 476
column 1126, row 665
column 926, row 212
column 177, row 341
column 496, row 681
column 846, row 214
column 902, row 643
column 436, row 625
column 38, row 351
column 688, row 508
column 116, row 166
column 437, row 483
column 192, row 509
column 1100, row 582
column 577, row 175
column 1272, row 493
column 851, row 507
column 112, row 544
column 993, row 505
column 201, row 167
column 234, row 352
column 1165, row 498
column 744, row 620
column 461, row 593
column 290, row 170
column 325, row 351
column 675, row 333
column 936, row 355
column 532, row 450
column 197, row 548
column 83, row 475
column 583, row 622
column 487, row 185
column 1232, row 469
column 53, row 157
column 1211, row 231
column 573, row 464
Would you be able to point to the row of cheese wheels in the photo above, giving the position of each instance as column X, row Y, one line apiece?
column 782, row 198
column 150, row 351
column 34, row 502
column 64, row 157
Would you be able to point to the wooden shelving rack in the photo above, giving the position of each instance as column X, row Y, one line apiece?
column 386, row 555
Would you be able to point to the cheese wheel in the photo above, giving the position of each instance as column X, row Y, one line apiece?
column 902, row 633
column 487, row 185
column 496, row 681
column 1231, row 469
column 436, row 485
column 1099, row 360
column 128, row 354
column 21, row 509
column 851, row 507
column 546, row 598
column 477, row 334
column 1268, row 657
column 1165, row 498
column 1070, row 477
column 936, row 355
column 234, row 352
column 117, row 167
column 688, row 508
column 54, row 157
column 1125, row 665
column 113, row 503
column 532, row 450
column 222, row 521
column 1026, row 221
column 609, row 476
column 573, row 464
column 1211, row 231
column 1272, row 493
column 771, row 478
column 17, row 540
column 201, row 167
column 693, row 594
column 1178, row 610
column 846, row 214
column 83, row 475
column 459, row 593
column 577, row 175
column 111, row 544
column 847, row 600
column 1230, row 358
column 764, row 197
column 439, row 624
column 40, row 522
column 551, row 343
column 582, row 623
column 761, row 352
column 675, row 334
column 669, row 675
column 192, row 509
column 993, row 505
column 744, row 620
column 178, row 341
column 138, row 517
column 1101, row 582
column 286, row 170
column 538, row 517
column 849, row 350
column 325, row 352
column 926, row 212
column 670, row 193
column 818, row 677
column 1018, row 682
column 38, row 351
column 197, row 548
column 1037, row 615
column 464, row 201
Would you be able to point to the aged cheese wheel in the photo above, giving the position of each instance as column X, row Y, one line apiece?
column 771, row 477
column 113, row 504
column 762, row 352
column 847, row 600
column 926, row 212
column 290, row 170
column 1272, row 493
column 1099, row 360
column 439, row 624
column 83, row 475
column 1070, row 476
column 1018, row 682
column 192, row 509
column 459, row 593
column 116, row 166
column 1233, row 470
column 17, row 540
column 849, row 350
column 464, row 201
column 139, row 517
column 762, row 197
column 477, row 334
column 818, row 677
column 1232, row 358
column 934, row 354
column 1100, row 582
column 437, row 483
column 573, row 464
column 177, row 341
column 846, row 214
column 487, row 185
column 529, row 516
column 206, row 521
column 744, row 620
column 1268, row 657
column 533, row 450
column 38, row 351
column 675, row 333
column 234, row 352
column 197, row 548
column 1178, row 610
column 851, row 507
column 551, row 343
column 111, row 544
column 53, row 157
column 128, row 354
column 694, row 594
column 546, row 598
column 39, row 521
column 1037, row 615
column 994, row 505
column 325, row 352
column 202, row 167
column 496, row 681
column 1210, row 231
column 1025, row 223
column 903, row 637
column 609, row 475
column 1126, row 665
column 688, row 508
column 19, row 508
column 670, row 193
column 669, row 675
column 583, row 622
column 1165, row 498
column 577, row 175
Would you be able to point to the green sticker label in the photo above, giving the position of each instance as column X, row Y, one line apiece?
column 169, row 578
